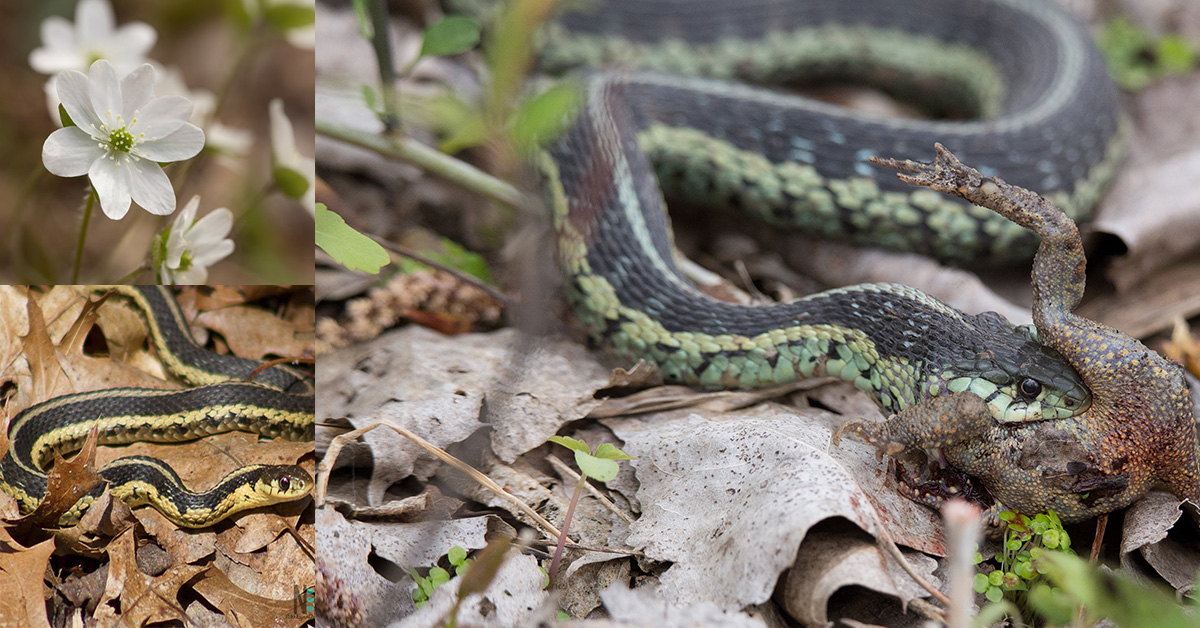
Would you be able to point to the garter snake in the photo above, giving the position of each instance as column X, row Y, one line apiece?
column 276, row 403
column 1049, row 120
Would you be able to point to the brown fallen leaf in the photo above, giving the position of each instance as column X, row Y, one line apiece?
column 253, row 611
column 20, row 569
column 69, row 480
column 253, row 332
column 140, row 598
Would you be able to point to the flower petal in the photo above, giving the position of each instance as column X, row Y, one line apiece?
column 112, row 186
column 94, row 21
column 70, row 152
column 73, row 91
column 58, row 51
column 105, row 91
column 186, row 217
column 283, row 142
column 211, row 229
column 209, row 255
column 182, row 144
column 160, row 117
column 137, row 38
column 194, row 276
column 137, row 89
column 151, row 188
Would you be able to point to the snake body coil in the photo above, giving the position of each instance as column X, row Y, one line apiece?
column 1054, row 126
column 225, row 399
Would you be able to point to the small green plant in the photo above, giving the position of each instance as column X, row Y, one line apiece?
column 1025, row 542
column 1136, row 58
column 600, row 465
column 437, row 576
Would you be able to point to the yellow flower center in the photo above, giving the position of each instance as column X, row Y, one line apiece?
column 121, row 140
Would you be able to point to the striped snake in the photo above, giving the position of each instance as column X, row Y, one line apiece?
column 1050, row 122
column 278, row 402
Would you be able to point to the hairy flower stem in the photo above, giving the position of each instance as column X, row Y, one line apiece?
column 87, row 217
column 562, row 537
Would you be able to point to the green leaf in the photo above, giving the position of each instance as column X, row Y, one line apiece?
column 978, row 559
column 562, row 615
column 994, row 594
column 599, row 469
column 996, row 578
column 609, row 452
column 542, row 118
column 450, row 36
column 466, row 564
column 438, row 576
column 285, row 17
column 456, row 555
column 1175, row 56
column 980, row 583
column 1025, row 570
column 291, row 182
column 570, row 443
column 1050, row 539
column 1006, row 515
column 1013, row 544
column 349, row 247
column 457, row 256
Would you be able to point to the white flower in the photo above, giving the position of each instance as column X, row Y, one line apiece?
column 122, row 133
column 186, row 250
column 93, row 36
column 289, row 165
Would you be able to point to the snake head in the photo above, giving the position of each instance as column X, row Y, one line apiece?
column 281, row 483
column 1020, row 378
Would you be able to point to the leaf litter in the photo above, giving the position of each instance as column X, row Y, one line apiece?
column 74, row 341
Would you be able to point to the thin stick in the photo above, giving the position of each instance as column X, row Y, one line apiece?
column 562, row 538
column 335, row 446
column 381, row 39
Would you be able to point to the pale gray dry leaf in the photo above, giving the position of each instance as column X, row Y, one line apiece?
column 644, row 608
column 587, row 577
column 830, row 559
column 344, row 547
column 1144, row 535
column 515, row 598
column 1152, row 304
column 730, row 500
column 435, row 386
column 414, row 378
column 1155, row 214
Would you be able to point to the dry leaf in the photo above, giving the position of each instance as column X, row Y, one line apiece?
column 142, row 598
column 253, row 611
column 21, row 570
column 730, row 500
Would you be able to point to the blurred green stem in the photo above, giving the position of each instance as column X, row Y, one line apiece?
column 432, row 161
column 87, row 217
column 381, row 39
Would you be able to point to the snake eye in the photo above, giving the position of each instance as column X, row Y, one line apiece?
column 284, row 484
column 1030, row 388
